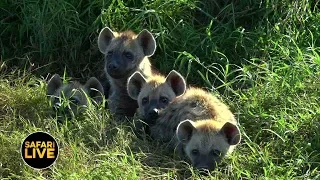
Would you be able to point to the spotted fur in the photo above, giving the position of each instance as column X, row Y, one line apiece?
column 198, row 125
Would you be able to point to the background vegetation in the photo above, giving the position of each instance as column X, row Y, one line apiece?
column 261, row 58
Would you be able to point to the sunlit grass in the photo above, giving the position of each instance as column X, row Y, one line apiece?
column 259, row 57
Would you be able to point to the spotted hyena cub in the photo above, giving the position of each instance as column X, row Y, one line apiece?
column 125, row 53
column 71, row 99
column 155, row 93
column 199, row 125
column 196, row 123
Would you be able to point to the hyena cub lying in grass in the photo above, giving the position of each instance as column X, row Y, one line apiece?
column 70, row 99
column 125, row 53
column 152, row 100
column 196, row 123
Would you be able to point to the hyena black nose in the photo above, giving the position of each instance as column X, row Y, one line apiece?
column 113, row 66
column 153, row 113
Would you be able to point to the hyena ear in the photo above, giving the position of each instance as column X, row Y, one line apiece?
column 231, row 132
column 184, row 131
column 94, row 89
column 176, row 82
column 54, row 84
column 105, row 37
column 135, row 83
column 147, row 42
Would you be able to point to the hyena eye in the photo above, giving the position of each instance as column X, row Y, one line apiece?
column 215, row 152
column 128, row 55
column 195, row 152
column 144, row 100
column 164, row 100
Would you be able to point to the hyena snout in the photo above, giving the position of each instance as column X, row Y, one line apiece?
column 153, row 114
column 205, row 167
column 152, row 111
column 113, row 67
column 116, row 70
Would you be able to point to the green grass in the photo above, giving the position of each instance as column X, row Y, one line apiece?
column 260, row 57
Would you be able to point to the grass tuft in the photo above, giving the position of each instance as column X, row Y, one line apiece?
column 260, row 57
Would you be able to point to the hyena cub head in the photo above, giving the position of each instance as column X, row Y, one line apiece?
column 206, row 142
column 125, row 51
column 154, row 93
column 71, row 99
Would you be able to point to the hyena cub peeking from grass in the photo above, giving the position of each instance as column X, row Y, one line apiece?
column 153, row 95
column 70, row 99
column 196, row 123
column 125, row 53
